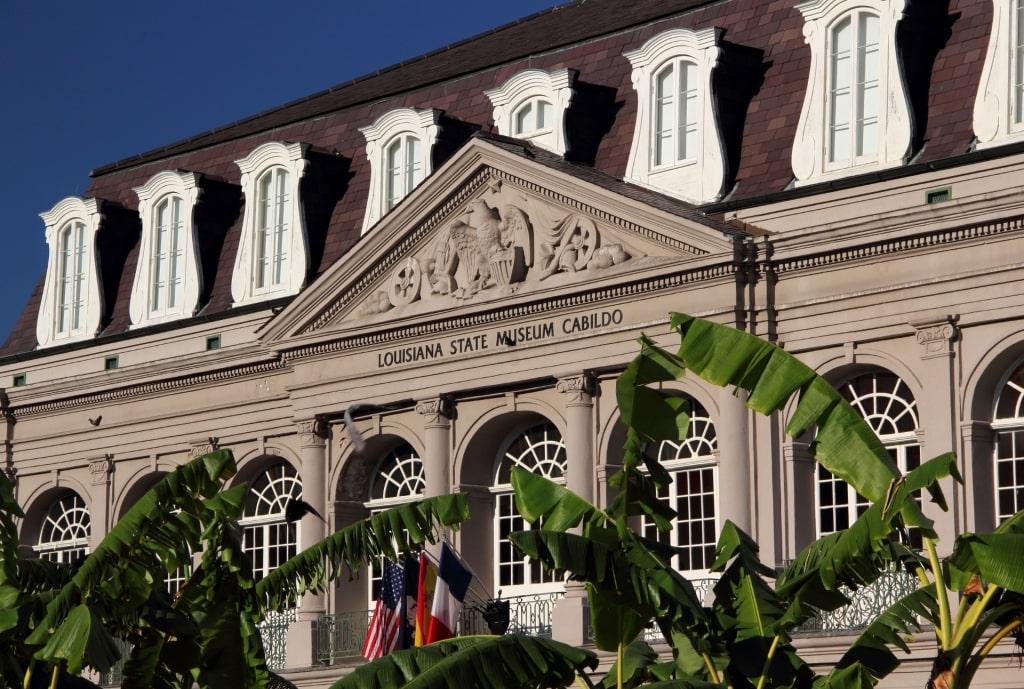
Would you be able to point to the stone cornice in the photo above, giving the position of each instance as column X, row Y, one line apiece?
column 445, row 325
column 155, row 387
column 924, row 240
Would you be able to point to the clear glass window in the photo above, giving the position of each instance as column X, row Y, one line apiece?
column 675, row 113
column 533, row 118
column 1009, row 447
column 398, row 479
column 168, row 259
column 404, row 168
column 64, row 536
column 71, row 279
column 272, row 229
column 692, row 493
column 538, row 449
column 887, row 404
column 267, row 537
column 854, row 88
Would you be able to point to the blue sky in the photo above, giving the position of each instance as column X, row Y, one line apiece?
column 88, row 83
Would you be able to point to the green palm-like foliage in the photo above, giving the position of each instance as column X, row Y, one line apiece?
column 57, row 620
column 484, row 662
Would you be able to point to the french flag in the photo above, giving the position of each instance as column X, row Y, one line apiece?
column 453, row 579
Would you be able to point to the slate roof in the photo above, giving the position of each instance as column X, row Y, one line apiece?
column 762, row 76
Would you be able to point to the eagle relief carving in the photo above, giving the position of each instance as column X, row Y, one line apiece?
column 491, row 248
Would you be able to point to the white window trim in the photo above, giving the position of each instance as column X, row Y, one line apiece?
column 994, row 105
column 291, row 157
column 698, row 180
column 421, row 124
column 160, row 186
column 72, row 209
column 534, row 85
column 809, row 156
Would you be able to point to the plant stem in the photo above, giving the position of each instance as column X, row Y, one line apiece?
column 997, row 637
column 941, row 594
column 767, row 662
column 712, row 670
column 970, row 619
column 620, row 656
column 55, row 676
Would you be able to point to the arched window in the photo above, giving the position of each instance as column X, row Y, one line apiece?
column 533, row 118
column 273, row 226
column 404, row 168
column 887, row 404
column 71, row 279
column 532, row 105
column 168, row 257
column 676, row 108
column 692, row 493
column 1009, row 446
column 853, row 91
column 267, row 537
column 398, row 479
column 64, row 536
column 538, row 448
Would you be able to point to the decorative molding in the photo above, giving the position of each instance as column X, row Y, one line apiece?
column 438, row 411
column 203, row 446
column 995, row 105
column 578, row 389
column 699, row 178
column 290, row 157
column 809, row 154
column 158, row 387
column 312, row 432
column 622, row 291
column 936, row 335
column 101, row 469
column 487, row 177
column 924, row 240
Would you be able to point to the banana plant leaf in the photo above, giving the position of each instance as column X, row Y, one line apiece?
column 482, row 662
column 391, row 532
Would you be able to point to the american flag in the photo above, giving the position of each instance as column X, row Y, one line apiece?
column 385, row 631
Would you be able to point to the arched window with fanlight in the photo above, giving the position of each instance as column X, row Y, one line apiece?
column 267, row 537
column 398, row 479
column 889, row 407
column 1008, row 425
column 692, row 492
column 64, row 536
column 537, row 448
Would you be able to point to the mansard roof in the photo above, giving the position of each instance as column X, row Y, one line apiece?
column 764, row 73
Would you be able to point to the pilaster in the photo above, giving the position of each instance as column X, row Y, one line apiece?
column 437, row 464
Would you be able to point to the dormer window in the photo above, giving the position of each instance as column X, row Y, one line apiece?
column 71, row 307
column 855, row 116
column 405, row 168
column 273, row 254
column 999, row 104
column 168, row 280
column 531, row 105
column 398, row 146
column 677, row 146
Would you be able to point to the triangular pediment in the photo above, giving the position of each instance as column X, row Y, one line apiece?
column 492, row 228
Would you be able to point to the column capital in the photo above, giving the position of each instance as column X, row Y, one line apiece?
column 438, row 410
column 101, row 469
column 202, row 446
column 12, row 474
column 936, row 335
column 578, row 388
column 312, row 432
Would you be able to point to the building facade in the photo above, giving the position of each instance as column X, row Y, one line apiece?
column 463, row 250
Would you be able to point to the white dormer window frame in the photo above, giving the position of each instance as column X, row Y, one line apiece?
column 72, row 302
column 677, row 150
column 168, row 280
column 999, row 103
column 398, row 145
column 531, row 105
column 273, row 252
column 856, row 115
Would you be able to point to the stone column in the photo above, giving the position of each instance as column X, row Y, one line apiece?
column 302, row 634
column 937, row 417
column 735, row 475
column 100, row 517
column 571, row 617
column 800, row 485
column 437, row 462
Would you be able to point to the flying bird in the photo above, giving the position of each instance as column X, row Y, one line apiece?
column 296, row 509
column 96, row 421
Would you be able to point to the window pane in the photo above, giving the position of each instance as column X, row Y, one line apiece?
column 523, row 124
column 663, row 116
column 688, row 111
column 544, row 115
